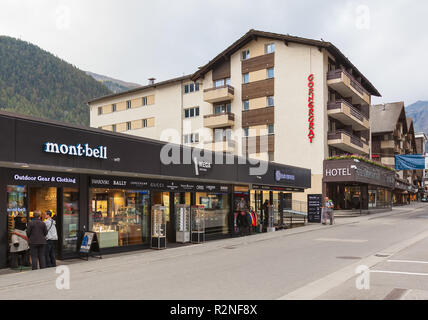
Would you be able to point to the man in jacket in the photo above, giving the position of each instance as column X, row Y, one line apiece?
column 51, row 239
column 242, row 222
column 36, row 233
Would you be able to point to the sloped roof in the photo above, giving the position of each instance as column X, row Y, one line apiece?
column 384, row 117
column 254, row 34
column 410, row 127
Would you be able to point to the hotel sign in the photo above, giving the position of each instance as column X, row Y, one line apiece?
column 311, row 115
column 79, row 150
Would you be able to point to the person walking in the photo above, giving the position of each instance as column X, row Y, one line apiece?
column 242, row 222
column 36, row 233
column 327, row 211
column 51, row 240
column 19, row 243
column 265, row 218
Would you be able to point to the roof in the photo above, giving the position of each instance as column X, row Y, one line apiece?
column 384, row 117
column 254, row 34
column 410, row 124
column 142, row 88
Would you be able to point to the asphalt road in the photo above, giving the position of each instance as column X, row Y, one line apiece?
column 312, row 262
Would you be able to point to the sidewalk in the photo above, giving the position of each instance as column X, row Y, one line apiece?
column 228, row 243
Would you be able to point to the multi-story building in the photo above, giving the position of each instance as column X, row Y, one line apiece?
column 393, row 134
column 267, row 96
column 421, row 141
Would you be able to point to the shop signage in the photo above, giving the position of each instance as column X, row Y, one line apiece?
column 314, row 208
column 43, row 178
column 311, row 115
column 338, row 172
column 283, row 176
column 276, row 188
column 166, row 185
column 201, row 166
column 79, row 150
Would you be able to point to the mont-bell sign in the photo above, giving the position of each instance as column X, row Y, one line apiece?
column 78, row 150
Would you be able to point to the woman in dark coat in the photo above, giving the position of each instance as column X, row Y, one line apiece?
column 242, row 223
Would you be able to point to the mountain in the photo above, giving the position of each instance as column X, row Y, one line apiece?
column 35, row 82
column 112, row 84
column 419, row 112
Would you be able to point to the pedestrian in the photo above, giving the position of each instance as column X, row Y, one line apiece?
column 19, row 243
column 265, row 219
column 51, row 240
column 327, row 211
column 36, row 233
column 242, row 222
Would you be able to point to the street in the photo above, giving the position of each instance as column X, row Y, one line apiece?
column 311, row 262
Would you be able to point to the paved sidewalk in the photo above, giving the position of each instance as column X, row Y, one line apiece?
column 228, row 243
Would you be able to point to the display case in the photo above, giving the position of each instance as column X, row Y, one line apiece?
column 198, row 224
column 271, row 226
column 182, row 223
column 158, row 227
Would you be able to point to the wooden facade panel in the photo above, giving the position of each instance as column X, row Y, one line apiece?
column 258, row 89
column 260, row 116
column 151, row 122
column 222, row 71
column 151, row 100
column 265, row 61
column 260, row 144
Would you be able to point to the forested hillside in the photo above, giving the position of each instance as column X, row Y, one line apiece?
column 35, row 82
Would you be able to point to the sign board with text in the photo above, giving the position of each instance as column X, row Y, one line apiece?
column 314, row 208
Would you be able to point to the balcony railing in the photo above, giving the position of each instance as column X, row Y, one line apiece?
column 345, row 112
column 219, row 94
column 348, row 80
column 219, row 120
column 347, row 141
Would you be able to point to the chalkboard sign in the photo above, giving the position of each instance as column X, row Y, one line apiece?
column 89, row 244
column 314, row 207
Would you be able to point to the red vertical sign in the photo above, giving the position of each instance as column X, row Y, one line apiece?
column 311, row 115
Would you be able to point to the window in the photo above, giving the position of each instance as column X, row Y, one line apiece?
column 246, row 78
column 144, row 101
column 270, row 73
column 191, row 138
column 191, row 112
column 222, row 108
column 191, row 87
column 245, row 55
column 270, row 101
column 113, row 128
column 219, row 83
column 271, row 129
column 270, row 48
column 246, row 131
column 144, row 123
column 246, row 105
column 100, row 111
column 113, row 108
column 128, row 126
column 120, row 217
column 128, row 104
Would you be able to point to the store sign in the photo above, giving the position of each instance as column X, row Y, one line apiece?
column 338, row 172
column 311, row 114
column 79, row 150
column 314, row 208
column 283, row 176
column 43, row 178
column 201, row 166
column 276, row 188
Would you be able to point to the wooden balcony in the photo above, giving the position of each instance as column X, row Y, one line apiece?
column 220, row 120
column 347, row 142
column 344, row 83
column 219, row 94
column 349, row 115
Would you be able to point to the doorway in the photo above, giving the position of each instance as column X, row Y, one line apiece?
column 163, row 199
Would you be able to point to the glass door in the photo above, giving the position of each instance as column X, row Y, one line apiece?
column 70, row 220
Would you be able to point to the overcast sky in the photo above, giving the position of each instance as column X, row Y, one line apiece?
column 133, row 40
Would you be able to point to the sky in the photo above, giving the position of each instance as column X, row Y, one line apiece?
column 133, row 40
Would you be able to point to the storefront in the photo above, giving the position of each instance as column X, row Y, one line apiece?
column 108, row 183
column 404, row 193
column 353, row 184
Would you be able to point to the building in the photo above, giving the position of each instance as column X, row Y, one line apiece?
column 421, row 141
column 267, row 96
column 109, row 183
column 393, row 134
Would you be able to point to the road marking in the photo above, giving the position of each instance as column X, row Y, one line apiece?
column 319, row 287
column 400, row 272
column 408, row 261
column 396, row 294
column 341, row 240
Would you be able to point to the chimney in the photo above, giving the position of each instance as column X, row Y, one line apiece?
column 151, row 81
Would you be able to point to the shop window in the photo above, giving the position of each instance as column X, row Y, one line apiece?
column 70, row 219
column 120, row 217
column 16, row 207
column 216, row 207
